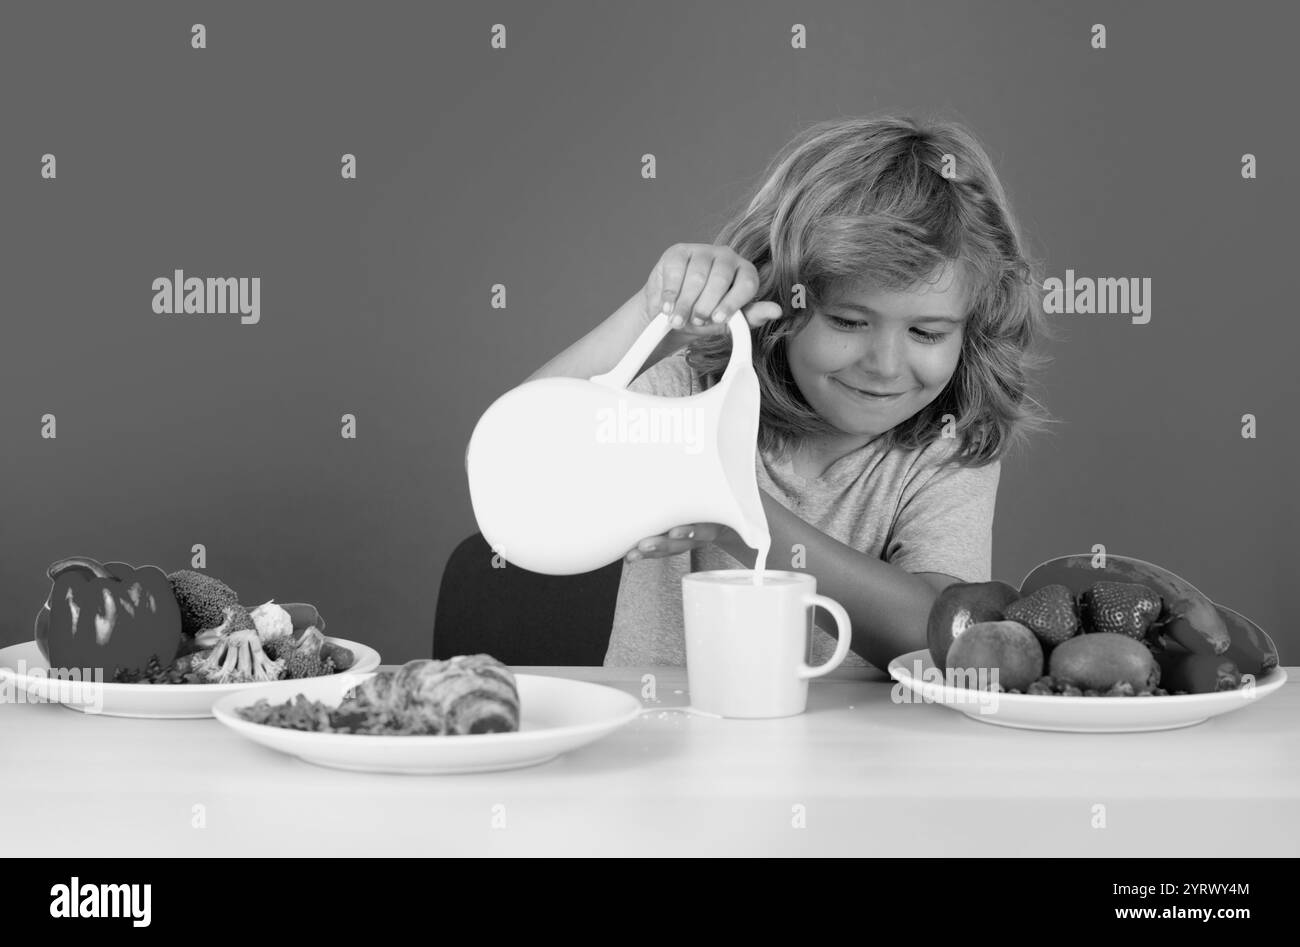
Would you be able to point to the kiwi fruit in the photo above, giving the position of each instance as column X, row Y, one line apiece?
column 1101, row 660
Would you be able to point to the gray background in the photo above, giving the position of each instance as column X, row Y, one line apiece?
column 522, row 167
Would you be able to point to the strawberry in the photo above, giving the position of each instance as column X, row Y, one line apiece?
column 1127, row 608
column 1049, row 613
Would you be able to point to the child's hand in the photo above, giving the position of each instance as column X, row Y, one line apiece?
column 702, row 286
column 681, row 538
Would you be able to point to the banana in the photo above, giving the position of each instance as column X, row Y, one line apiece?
column 303, row 616
column 1179, row 629
column 1252, row 650
column 1196, row 673
column 1189, row 617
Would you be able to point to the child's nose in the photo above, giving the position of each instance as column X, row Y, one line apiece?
column 882, row 360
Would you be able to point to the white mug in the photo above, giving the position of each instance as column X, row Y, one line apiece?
column 746, row 643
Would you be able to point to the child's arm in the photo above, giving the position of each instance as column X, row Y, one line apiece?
column 601, row 349
column 888, row 606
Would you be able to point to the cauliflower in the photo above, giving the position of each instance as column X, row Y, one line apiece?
column 237, row 657
column 271, row 620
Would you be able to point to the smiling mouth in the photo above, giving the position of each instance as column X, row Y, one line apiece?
column 870, row 395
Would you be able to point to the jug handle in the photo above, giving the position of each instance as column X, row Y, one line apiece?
column 622, row 374
column 742, row 349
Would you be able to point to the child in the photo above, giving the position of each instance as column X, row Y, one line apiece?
column 892, row 383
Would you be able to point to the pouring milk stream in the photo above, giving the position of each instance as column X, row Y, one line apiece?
column 567, row 474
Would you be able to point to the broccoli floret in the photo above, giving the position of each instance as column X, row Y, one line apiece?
column 237, row 657
column 279, row 647
column 301, row 656
column 202, row 598
column 308, row 665
column 236, row 618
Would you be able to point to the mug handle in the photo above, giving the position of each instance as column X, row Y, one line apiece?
column 844, row 635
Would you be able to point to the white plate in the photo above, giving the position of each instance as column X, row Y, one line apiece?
column 1075, row 714
column 21, row 668
column 556, row 715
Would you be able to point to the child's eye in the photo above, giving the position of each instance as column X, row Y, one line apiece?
column 929, row 338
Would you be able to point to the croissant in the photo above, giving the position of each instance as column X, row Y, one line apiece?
column 466, row 694
column 377, row 692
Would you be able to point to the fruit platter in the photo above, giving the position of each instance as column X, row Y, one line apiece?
column 119, row 640
column 1089, row 643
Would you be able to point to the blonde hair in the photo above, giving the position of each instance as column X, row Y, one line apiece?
column 858, row 198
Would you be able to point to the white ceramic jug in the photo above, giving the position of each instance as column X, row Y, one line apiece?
column 566, row 474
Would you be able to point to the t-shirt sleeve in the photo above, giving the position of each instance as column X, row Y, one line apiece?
column 670, row 377
column 945, row 523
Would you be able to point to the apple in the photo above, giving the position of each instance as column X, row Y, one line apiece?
column 961, row 605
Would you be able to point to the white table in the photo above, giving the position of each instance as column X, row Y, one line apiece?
column 857, row 775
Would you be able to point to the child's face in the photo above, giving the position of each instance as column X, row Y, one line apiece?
column 894, row 348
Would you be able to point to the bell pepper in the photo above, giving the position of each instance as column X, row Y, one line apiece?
column 108, row 615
